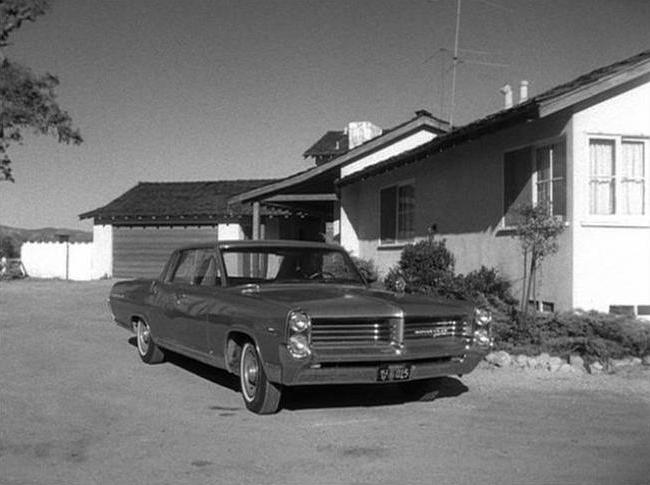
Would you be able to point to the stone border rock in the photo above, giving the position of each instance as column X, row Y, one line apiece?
column 574, row 363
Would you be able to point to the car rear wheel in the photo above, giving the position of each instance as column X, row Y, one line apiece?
column 147, row 349
column 260, row 395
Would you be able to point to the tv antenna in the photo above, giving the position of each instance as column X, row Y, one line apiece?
column 456, row 60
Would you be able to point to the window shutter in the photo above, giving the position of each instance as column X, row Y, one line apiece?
column 388, row 214
column 517, row 189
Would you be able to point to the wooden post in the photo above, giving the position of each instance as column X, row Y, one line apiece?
column 256, row 220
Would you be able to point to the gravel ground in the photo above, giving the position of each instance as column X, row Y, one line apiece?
column 78, row 407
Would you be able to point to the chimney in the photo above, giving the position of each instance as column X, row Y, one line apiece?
column 507, row 96
column 523, row 91
column 360, row 132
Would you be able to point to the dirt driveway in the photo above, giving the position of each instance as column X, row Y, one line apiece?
column 78, row 407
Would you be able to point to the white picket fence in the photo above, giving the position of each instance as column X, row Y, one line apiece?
column 73, row 261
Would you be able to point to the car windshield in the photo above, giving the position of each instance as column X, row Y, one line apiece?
column 288, row 265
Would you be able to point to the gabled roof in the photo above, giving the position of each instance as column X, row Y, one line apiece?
column 177, row 200
column 555, row 99
column 326, row 173
column 332, row 143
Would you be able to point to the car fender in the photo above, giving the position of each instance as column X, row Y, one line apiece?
column 267, row 346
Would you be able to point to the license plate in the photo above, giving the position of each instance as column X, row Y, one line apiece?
column 396, row 372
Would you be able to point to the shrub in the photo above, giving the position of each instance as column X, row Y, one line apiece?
column 486, row 283
column 428, row 267
column 425, row 267
column 595, row 336
column 367, row 268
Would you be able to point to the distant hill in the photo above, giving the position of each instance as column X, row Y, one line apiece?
column 46, row 234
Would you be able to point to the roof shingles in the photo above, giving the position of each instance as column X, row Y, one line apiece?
column 178, row 199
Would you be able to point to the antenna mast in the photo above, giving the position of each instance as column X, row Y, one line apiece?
column 454, row 67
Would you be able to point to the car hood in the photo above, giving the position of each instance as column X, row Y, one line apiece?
column 345, row 301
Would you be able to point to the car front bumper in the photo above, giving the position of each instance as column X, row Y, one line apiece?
column 364, row 369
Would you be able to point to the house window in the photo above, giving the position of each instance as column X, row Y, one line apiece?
column 601, row 181
column 617, row 176
column 516, row 184
column 632, row 178
column 550, row 165
column 534, row 175
column 397, row 213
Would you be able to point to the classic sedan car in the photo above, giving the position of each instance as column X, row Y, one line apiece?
column 289, row 313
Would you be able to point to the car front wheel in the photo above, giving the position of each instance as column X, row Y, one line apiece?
column 147, row 349
column 260, row 395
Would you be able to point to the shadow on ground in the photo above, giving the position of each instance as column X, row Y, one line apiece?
column 334, row 396
column 207, row 372
column 367, row 395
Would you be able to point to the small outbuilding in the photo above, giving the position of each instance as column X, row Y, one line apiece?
column 134, row 234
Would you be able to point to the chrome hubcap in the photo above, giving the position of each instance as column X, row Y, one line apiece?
column 144, row 337
column 250, row 373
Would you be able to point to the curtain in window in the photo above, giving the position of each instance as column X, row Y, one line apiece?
column 601, row 183
column 559, row 179
column 631, row 200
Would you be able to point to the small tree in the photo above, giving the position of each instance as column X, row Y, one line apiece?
column 28, row 101
column 8, row 248
column 538, row 234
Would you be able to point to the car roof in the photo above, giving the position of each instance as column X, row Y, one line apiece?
column 265, row 243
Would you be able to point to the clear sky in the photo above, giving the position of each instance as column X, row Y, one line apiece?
column 212, row 90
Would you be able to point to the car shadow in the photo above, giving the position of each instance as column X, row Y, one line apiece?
column 207, row 372
column 338, row 396
column 323, row 396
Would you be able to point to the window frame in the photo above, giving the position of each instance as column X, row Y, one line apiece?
column 396, row 240
column 533, row 181
column 206, row 253
column 617, row 216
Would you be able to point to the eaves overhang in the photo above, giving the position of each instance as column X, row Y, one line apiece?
column 326, row 170
column 498, row 121
column 573, row 95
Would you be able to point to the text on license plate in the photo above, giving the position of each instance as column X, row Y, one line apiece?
column 395, row 372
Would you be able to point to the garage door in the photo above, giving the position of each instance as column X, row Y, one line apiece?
column 141, row 252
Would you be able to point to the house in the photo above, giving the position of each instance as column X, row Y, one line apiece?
column 582, row 147
column 134, row 234
column 314, row 191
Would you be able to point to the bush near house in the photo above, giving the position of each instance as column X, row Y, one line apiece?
column 367, row 268
column 428, row 267
column 595, row 336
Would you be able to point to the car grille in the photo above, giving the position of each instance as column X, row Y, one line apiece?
column 358, row 332
column 428, row 328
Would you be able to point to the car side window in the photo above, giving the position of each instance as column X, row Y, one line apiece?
column 209, row 273
column 184, row 268
column 197, row 267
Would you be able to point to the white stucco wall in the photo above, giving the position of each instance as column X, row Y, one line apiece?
column 461, row 191
column 400, row 146
column 102, row 252
column 229, row 232
column 612, row 253
column 58, row 260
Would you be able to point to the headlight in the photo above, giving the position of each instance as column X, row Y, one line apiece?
column 482, row 337
column 299, row 345
column 299, row 334
column 299, row 322
column 482, row 317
